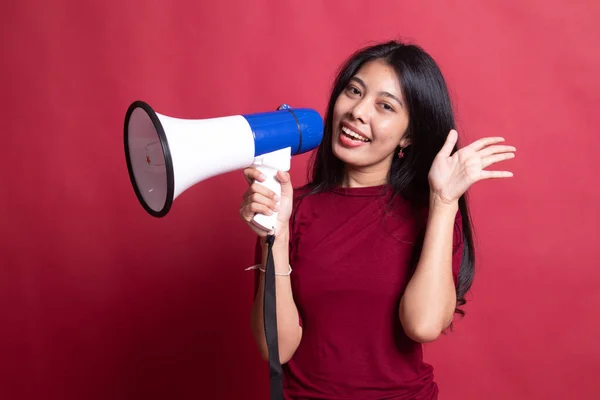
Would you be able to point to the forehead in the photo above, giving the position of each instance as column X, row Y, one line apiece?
column 378, row 75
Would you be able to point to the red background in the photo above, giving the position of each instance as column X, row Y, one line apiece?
column 98, row 300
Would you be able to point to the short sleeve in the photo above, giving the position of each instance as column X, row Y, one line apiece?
column 457, row 247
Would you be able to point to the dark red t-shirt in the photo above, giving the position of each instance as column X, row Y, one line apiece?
column 351, row 258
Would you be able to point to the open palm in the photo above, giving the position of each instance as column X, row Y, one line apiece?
column 451, row 175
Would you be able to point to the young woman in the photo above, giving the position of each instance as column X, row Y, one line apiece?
column 379, row 239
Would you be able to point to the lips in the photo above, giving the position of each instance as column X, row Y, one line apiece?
column 353, row 133
column 350, row 138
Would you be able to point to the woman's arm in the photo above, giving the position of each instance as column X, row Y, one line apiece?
column 289, row 331
column 428, row 304
column 259, row 199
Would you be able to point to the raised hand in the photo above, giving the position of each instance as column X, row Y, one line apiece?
column 451, row 175
column 260, row 199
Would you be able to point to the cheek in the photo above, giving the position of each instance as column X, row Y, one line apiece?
column 393, row 130
column 338, row 111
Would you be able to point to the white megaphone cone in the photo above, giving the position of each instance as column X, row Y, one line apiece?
column 166, row 155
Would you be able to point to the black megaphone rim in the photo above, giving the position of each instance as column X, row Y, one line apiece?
column 166, row 152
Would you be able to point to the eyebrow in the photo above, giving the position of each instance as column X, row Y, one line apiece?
column 386, row 94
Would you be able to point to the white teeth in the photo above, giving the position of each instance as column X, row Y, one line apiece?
column 354, row 135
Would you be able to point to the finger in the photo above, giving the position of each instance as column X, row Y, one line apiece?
column 488, row 151
column 489, row 160
column 484, row 142
column 249, row 211
column 449, row 144
column 252, row 174
column 286, row 183
column 264, row 200
column 283, row 177
column 264, row 197
column 496, row 174
column 262, row 189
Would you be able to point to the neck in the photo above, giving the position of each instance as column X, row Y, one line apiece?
column 361, row 177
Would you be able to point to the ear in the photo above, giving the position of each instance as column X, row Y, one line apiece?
column 404, row 142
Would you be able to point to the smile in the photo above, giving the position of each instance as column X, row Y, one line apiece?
column 353, row 135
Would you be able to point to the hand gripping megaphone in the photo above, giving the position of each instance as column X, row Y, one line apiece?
column 167, row 155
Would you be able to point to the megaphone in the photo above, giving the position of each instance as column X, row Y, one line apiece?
column 166, row 155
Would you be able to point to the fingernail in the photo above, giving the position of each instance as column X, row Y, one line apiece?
column 276, row 198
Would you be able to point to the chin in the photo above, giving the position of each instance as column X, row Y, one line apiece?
column 347, row 156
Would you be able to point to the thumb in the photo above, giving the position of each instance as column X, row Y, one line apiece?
column 449, row 144
column 286, row 183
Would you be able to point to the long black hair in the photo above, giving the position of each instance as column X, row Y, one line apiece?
column 430, row 120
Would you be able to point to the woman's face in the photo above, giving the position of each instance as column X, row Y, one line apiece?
column 370, row 118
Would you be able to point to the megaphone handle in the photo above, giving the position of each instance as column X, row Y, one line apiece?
column 268, row 222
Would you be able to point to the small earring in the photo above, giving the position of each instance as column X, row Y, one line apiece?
column 400, row 153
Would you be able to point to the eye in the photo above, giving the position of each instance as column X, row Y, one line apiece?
column 387, row 107
column 353, row 90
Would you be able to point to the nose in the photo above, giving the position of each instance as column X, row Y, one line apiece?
column 360, row 110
